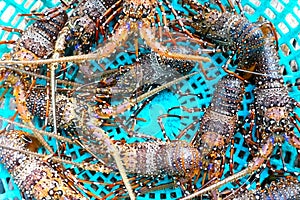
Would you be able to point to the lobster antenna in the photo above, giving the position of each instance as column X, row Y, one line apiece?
column 100, row 134
column 229, row 179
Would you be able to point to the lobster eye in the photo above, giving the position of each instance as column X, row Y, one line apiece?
column 268, row 130
column 290, row 127
column 60, row 192
column 283, row 122
column 26, row 139
column 195, row 18
column 207, row 4
column 144, row 15
column 51, row 192
column 272, row 122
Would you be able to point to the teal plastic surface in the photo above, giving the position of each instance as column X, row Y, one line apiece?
column 284, row 14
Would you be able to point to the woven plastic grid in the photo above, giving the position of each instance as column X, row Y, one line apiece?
column 285, row 17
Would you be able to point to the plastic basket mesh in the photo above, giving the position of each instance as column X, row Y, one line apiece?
column 284, row 14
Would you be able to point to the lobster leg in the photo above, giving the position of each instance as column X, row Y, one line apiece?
column 73, row 182
column 223, row 9
column 225, row 68
column 158, row 20
column 8, row 42
column 238, row 2
column 10, row 29
column 183, row 132
column 114, row 10
column 232, row 7
column 231, row 156
column 248, row 134
column 266, row 26
column 133, row 118
column 210, row 175
column 179, row 21
column 190, row 126
column 132, row 133
column 159, row 120
column 165, row 23
column 189, row 110
column 109, row 19
column 147, row 34
column 204, row 72
column 6, row 87
column 294, row 141
column 294, row 121
column 137, row 182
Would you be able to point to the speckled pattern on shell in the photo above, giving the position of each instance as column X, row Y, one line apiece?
column 35, row 177
column 283, row 189
column 40, row 37
column 157, row 158
column 220, row 117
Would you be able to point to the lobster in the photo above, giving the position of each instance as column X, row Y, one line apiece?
column 82, row 29
column 131, row 83
column 34, row 145
column 134, row 22
column 257, row 53
column 36, row 177
column 81, row 32
column 255, row 46
column 182, row 160
column 36, row 42
column 217, row 128
column 284, row 188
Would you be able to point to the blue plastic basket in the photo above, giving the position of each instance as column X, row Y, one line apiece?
column 284, row 14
